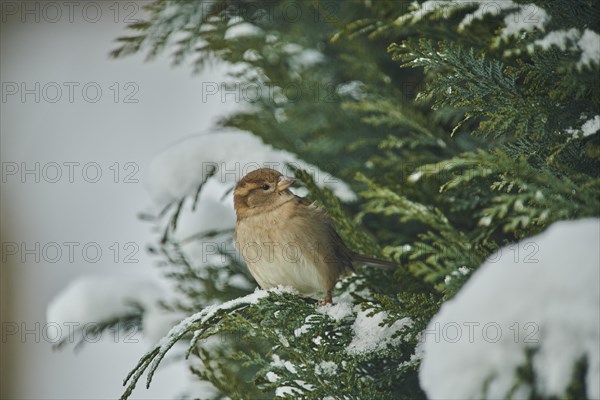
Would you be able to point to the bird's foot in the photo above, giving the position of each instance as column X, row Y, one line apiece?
column 327, row 300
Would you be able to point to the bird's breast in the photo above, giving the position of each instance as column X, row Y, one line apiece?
column 278, row 251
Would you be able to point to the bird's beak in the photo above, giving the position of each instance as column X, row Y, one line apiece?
column 284, row 183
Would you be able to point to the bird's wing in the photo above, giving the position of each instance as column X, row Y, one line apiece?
column 359, row 259
column 334, row 250
column 341, row 252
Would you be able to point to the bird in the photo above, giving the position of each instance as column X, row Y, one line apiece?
column 287, row 240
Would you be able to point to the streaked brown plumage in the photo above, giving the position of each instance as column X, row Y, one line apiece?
column 287, row 240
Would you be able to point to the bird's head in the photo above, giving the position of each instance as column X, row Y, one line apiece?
column 261, row 190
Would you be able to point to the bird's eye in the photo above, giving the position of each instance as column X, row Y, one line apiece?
column 266, row 187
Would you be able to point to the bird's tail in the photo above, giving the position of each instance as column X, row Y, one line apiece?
column 359, row 259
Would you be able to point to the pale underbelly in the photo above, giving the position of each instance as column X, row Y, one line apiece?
column 281, row 251
column 272, row 266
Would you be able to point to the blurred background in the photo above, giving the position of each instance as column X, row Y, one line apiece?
column 128, row 112
column 455, row 131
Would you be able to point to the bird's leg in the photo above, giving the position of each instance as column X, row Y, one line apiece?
column 327, row 300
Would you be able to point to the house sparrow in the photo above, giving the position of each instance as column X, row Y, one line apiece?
column 287, row 240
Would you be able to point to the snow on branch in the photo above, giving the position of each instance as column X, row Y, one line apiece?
column 198, row 324
column 223, row 157
column 535, row 311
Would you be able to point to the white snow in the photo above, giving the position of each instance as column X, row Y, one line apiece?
column 369, row 336
column 484, row 9
column 591, row 126
column 252, row 55
column 485, row 221
column 571, row 131
column 588, row 128
column 526, row 17
column 539, row 195
column 415, row 176
column 207, row 28
column 519, row 206
column 239, row 281
column 587, row 42
column 326, row 368
column 96, row 299
column 590, row 48
column 277, row 361
column 305, row 327
column 547, row 298
column 271, row 37
column 421, row 10
column 290, row 367
column 280, row 115
column 208, row 312
column 272, row 376
column 292, row 48
column 178, row 170
column 211, row 214
column 243, row 29
column 559, row 38
column 300, row 57
column 460, row 271
column 337, row 311
column 282, row 391
column 353, row 89
column 306, row 58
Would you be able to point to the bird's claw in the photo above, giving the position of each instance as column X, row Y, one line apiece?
column 327, row 300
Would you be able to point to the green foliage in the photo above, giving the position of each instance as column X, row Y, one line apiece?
column 308, row 350
column 459, row 137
